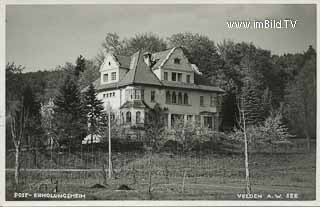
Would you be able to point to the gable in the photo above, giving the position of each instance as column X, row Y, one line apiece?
column 173, row 59
column 110, row 62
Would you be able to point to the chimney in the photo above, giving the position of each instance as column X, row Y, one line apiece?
column 147, row 58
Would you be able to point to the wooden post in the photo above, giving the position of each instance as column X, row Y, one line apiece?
column 110, row 165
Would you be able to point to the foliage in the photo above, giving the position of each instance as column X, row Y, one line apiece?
column 300, row 98
column 69, row 117
column 93, row 108
column 89, row 75
column 80, row 65
column 144, row 41
column 272, row 131
column 33, row 129
column 255, row 103
column 154, row 128
column 201, row 51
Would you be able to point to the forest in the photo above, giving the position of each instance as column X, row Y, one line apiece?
column 283, row 84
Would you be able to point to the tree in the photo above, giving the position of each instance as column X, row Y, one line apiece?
column 300, row 98
column 93, row 108
column 145, row 41
column 80, row 65
column 17, row 117
column 33, row 128
column 256, row 103
column 23, row 117
column 242, row 124
column 89, row 75
column 154, row 140
column 201, row 51
column 69, row 117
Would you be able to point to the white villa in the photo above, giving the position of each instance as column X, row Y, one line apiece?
column 130, row 85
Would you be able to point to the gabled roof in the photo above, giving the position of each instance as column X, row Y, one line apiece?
column 161, row 57
column 140, row 73
column 124, row 61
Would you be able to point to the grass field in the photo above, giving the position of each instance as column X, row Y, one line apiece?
column 207, row 177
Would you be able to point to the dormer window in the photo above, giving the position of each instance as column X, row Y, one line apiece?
column 176, row 61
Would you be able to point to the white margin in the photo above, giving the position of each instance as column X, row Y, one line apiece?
column 3, row 4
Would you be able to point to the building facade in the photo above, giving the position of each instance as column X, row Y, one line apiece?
column 130, row 86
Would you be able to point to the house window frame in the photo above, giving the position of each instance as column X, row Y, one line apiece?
column 174, row 98
column 179, row 78
column 105, row 77
column 188, row 79
column 153, row 96
column 201, row 100
column 165, row 76
column 174, row 76
column 177, row 61
column 128, row 117
column 180, row 98
column 212, row 101
column 113, row 76
column 138, row 117
column 185, row 99
column 168, row 97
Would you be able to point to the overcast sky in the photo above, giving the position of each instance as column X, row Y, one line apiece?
column 44, row 36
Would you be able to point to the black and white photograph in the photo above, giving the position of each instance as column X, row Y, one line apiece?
column 182, row 102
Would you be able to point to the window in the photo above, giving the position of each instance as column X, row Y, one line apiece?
column 212, row 101
column 122, row 117
column 137, row 94
column 179, row 77
column 142, row 94
column 113, row 76
column 189, row 117
column 138, row 117
column 174, row 98
column 180, row 98
column 127, row 94
column 188, row 78
column 165, row 75
column 168, row 97
column 105, row 77
column 176, row 61
column 109, row 63
column 153, row 93
column 174, row 76
column 201, row 101
column 128, row 117
column 185, row 99
column 207, row 121
column 131, row 94
column 113, row 94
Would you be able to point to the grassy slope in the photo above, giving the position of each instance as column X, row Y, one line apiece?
column 207, row 177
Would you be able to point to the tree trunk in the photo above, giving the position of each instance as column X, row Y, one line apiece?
column 17, row 167
column 248, row 185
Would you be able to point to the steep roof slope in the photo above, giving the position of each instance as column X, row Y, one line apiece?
column 140, row 73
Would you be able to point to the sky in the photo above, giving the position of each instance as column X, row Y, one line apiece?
column 41, row 37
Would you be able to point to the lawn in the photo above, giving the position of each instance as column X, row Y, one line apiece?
column 206, row 177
